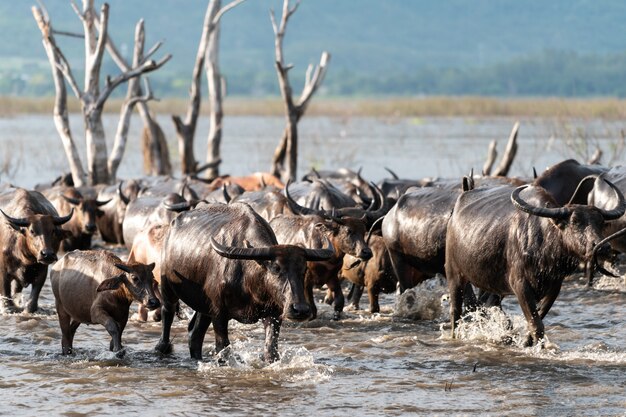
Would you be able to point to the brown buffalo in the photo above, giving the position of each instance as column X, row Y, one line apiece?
column 30, row 236
column 96, row 287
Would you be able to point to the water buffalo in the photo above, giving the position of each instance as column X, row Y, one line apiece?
column 562, row 180
column 146, row 249
column 225, row 263
column 82, row 226
column 508, row 240
column 118, row 197
column 375, row 274
column 30, row 236
column 252, row 182
column 146, row 211
column 312, row 228
column 268, row 203
column 96, row 287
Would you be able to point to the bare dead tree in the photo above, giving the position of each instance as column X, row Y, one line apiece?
column 285, row 160
column 509, row 153
column 92, row 98
column 492, row 154
column 156, row 153
column 596, row 157
column 208, row 48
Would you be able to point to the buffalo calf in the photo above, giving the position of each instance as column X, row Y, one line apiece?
column 97, row 287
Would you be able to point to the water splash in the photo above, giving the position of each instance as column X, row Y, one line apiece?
column 422, row 302
column 610, row 283
column 294, row 365
column 491, row 325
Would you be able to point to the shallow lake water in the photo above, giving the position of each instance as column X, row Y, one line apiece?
column 362, row 365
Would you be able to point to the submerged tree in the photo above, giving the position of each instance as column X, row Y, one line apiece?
column 100, row 168
column 208, row 56
column 285, row 161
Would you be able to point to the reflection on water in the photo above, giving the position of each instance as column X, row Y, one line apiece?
column 363, row 365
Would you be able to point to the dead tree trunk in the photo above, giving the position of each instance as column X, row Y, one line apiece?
column 509, row 153
column 155, row 151
column 92, row 99
column 186, row 129
column 285, row 161
column 492, row 154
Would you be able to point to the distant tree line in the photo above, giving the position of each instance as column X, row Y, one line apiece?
column 550, row 73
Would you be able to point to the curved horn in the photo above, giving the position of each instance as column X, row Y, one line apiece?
column 579, row 187
column 320, row 254
column 58, row 220
column 124, row 199
column 103, row 203
column 124, row 268
column 74, row 201
column 317, row 174
column 358, row 173
column 295, row 207
column 227, row 196
column 17, row 222
column 371, row 231
column 619, row 210
column 393, row 174
column 534, row 173
column 177, row 207
column 234, row 252
column 384, row 204
column 553, row 213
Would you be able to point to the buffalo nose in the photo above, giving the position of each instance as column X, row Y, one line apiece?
column 365, row 254
column 299, row 311
column 153, row 303
column 90, row 228
column 47, row 256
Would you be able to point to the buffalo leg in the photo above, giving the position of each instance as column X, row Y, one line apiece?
column 547, row 301
column 272, row 331
column 68, row 330
column 197, row 328
column 7, row 299
column 338, row 300
column 37, row 285
column 168, row 309
column 372, row 293
column 308, row 296
column 100, row 316
column 354, row 296
column 526, row 298
column 455, row 288
column 220, row 328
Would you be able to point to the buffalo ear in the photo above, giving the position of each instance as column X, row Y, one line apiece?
column 111, row 283
column 151, row 266
column 18, row 229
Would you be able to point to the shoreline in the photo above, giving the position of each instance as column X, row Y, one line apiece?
column 598, row 108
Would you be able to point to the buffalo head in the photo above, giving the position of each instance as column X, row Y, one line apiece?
column 287, row 265
column 42, row 233
column 137, row 280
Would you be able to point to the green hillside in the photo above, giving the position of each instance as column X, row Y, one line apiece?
column 399, row 47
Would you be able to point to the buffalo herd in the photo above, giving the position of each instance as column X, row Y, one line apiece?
column 252, row 248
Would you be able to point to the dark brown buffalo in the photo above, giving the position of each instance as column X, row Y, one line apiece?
column 561, row 181
column 118, row 197
column 96, row 287
column 508, row 240
column 225, row 263
column 414, row 230
column 312, row 228
column 86, row 209
column 376, row 274
column 30, row 235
